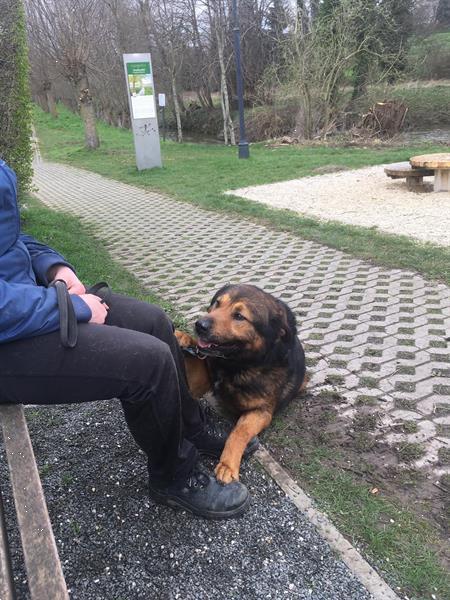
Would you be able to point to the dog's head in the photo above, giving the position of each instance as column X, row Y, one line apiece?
column 247, row 324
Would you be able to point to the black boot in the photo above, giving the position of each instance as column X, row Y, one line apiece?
column 202, row 495
column 211, row 439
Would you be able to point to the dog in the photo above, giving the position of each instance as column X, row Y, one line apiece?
column 248, row 353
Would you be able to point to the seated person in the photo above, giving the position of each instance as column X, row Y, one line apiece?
column 126, row 349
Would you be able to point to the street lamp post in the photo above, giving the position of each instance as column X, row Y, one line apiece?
column 244, row 151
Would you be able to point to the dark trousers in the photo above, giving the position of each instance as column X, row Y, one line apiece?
column 134, row 357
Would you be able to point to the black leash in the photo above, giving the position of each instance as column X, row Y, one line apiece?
column 95, row 289
column 68, row 326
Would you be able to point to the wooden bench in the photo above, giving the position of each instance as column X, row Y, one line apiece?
column 44, row 573
column 414, row 177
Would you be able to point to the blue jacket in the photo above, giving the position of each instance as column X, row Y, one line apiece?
column 27, row 307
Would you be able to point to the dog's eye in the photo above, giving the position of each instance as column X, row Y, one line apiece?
column 237, row 316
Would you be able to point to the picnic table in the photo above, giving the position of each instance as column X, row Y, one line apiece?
column 440, row 164
column 414, row 176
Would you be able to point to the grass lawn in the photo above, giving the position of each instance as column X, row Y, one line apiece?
column 199, row 173
column 427, row 105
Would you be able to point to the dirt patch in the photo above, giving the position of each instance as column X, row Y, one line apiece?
column 312, row 427
column 330, row 169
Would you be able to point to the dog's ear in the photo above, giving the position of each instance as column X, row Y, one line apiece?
column 284, row 322
column 219, row 293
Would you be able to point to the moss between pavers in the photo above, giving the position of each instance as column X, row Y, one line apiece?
column 410, row 451
column 366, row 400
column 337, row 364
column 443, row 429
column 405, row 403
column 407, row 427
column 366, row 421
column 334, row 379
column 368, row 382
column 405, row 370
column 441, row 389
column 369, row 366
column 444, row 456
column 405, row 386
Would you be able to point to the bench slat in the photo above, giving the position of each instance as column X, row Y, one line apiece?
column 404, row 169
column 6, row 577
column 44, row 572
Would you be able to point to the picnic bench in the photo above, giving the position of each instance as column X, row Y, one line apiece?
column 414, row 176
column 440, row 164
column 44, row 573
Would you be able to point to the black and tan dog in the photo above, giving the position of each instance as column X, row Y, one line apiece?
column 254, row 363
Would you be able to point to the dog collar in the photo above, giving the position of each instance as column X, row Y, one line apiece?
column 194, row 351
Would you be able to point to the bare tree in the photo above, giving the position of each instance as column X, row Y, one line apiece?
column 319, row 60
column 164, row 20
column 65, row 32
column 201, row 74
column 219, row 19
column 42, row 79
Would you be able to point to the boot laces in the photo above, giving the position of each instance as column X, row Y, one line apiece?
column 198, row 479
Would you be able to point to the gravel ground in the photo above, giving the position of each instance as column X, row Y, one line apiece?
column 115, row 544
column 364, row 197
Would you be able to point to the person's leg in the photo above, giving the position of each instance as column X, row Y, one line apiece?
column 107, row 362
column 148, row 318
column 139, row 369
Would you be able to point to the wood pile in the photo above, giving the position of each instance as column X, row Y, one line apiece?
column 385, row 119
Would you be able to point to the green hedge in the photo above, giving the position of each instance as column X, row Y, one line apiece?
column 15, row 103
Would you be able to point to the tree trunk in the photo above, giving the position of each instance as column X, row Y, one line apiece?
column 176, row 107
column 225, row 127
column 314, row 8
column 52, row 108
column 91, row 139
column 225, row 103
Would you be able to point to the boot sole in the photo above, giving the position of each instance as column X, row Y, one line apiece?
column 178, row 504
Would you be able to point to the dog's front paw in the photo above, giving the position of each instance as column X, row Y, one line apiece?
column 184, row 339
column 225, row 473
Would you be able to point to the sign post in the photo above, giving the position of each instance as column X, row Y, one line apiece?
column 162, row 106
column 141, row 100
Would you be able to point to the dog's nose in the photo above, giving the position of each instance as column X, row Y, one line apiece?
column 203, row 326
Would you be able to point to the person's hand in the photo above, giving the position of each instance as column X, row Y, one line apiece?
column 74, row 285
column 99, row 308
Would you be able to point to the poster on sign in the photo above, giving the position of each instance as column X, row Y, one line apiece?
column 141, row 90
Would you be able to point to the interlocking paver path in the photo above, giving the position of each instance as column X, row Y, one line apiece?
column 381, row 333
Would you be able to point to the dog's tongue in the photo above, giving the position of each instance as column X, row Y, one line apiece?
column 201, row 344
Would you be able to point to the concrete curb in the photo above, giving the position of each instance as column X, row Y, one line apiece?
column 349, row 555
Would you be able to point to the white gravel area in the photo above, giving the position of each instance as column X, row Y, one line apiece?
column 364, row 197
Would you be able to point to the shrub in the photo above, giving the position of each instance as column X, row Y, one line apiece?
column 198, row 119
column 15, row 104
column 429, row 57
column 270, row 121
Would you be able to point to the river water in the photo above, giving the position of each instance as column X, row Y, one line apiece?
column 441, row 136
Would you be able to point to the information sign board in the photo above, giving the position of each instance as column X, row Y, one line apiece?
column 141, row 99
